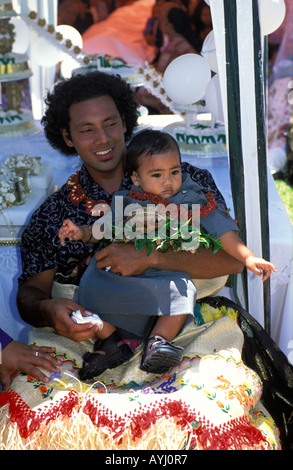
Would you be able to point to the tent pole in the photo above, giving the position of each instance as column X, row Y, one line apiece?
column 234, row 119
column 260, row 89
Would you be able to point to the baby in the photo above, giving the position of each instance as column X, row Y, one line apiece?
column 154, row 163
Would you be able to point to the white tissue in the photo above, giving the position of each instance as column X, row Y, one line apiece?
column 94, row 319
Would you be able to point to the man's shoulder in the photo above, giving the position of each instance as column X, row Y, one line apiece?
column 57, row 196
column 205, row 179
column 193, row 171
column 51, row 206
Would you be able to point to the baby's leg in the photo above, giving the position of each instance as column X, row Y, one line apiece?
column 159, row 354
column 106, row 331
column 169, row 327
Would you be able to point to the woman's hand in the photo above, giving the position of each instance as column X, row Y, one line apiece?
column 20, row 357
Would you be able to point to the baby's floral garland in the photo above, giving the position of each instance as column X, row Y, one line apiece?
column 176, row 240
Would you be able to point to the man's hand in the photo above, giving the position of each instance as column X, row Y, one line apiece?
column 123, row 258
column 37, row 308
column 59, row 312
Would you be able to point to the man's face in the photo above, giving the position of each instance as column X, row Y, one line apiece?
column 97, row 134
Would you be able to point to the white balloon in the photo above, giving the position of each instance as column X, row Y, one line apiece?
column 22, row 35
column 213, row 99
column 209, row 51
column 45, row 53
column 272, row 14
column 186, row 78
column 68, row 65
column 68, row 32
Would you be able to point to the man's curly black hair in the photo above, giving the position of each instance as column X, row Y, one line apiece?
column 83, row 87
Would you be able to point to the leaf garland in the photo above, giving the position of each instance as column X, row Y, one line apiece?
column 177, row 240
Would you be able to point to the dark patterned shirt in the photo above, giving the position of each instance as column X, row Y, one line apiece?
column 41, row 249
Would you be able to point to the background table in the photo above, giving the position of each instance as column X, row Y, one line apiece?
column 10, row 261
column 63, row 167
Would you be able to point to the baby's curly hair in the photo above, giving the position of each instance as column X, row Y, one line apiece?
column 83, row 87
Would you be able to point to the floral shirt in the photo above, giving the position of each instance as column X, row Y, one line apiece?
column 41, row 249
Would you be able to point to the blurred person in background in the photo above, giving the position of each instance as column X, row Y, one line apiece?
column 177, row 39
column 201, row 20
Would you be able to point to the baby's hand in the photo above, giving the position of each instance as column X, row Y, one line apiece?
column 260, row 267
column 71, row 231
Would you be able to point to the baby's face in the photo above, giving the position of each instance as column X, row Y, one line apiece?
column 159, row 174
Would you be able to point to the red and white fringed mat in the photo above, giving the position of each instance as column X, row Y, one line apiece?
column 82, row 421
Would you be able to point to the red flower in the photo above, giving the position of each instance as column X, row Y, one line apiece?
column 155, row 199
column 210, row 206
column 91, row 203
column 77, row 194
column 73, row 179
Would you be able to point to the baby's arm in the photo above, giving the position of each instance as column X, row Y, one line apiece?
column 74, row 232
column 260, row 266
column 234, row 246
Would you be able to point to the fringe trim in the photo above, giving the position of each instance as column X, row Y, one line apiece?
column 79, row 421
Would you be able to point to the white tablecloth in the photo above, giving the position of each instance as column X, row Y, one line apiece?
column 10, row 261
column 62, row 167
column 14, row 219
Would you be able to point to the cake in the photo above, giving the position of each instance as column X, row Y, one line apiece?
column 202, row 138
column 16, row 118
column 112, row 65
column 13, row 124
column 6, row 9
column 13, row 66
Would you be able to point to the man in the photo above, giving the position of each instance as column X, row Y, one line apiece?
column 93, row 115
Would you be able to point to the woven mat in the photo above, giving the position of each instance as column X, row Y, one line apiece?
column 210, row 401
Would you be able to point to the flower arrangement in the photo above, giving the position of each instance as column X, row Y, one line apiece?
column 14, row 172
column 7, row 196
